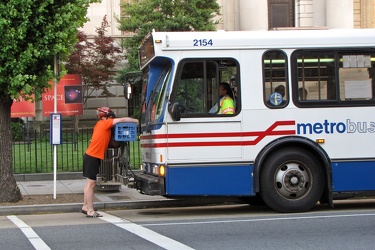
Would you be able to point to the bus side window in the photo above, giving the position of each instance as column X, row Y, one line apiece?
column 356, row 83
column 334, row 77
column 315, row 76
column 190, row 88
column 275, row 83
column 197, row 88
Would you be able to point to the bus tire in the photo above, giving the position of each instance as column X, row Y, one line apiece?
column 291, row 180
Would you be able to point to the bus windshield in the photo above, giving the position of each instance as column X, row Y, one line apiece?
column 154, row 92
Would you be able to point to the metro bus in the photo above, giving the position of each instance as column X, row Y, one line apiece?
column 312, row 142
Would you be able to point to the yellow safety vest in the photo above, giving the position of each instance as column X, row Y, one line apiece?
column 226, row 106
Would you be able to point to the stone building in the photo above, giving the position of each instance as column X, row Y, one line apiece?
column 270, row 14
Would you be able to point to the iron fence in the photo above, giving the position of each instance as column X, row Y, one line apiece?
column 33, row 153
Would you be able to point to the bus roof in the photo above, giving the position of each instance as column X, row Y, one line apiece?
column 280, row 39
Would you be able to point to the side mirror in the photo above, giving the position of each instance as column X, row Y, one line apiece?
column 174, row 111
column 128, row 91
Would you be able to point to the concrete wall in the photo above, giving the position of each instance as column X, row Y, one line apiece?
column 97, row 11
column 230, row 16
column 364, row 15
column 319, row 13
column 304, row 13
column 253, row 15
column 339, row 14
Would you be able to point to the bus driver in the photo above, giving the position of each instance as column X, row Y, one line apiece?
column 227, row 106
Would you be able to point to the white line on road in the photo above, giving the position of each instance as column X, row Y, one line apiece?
column 145, row 233
column 257, row 220
column 34, row 239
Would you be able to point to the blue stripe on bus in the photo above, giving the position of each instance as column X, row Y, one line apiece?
column 210, row 180
column 353, row 176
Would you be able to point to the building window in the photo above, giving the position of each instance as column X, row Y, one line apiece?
column 280, row 13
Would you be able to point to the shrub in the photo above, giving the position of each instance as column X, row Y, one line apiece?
column 18, row 131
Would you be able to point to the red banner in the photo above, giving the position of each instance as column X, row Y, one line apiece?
column 69, row 96
column 22, row 108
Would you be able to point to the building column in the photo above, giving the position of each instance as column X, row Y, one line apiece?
column 230, row 14
column 221, row 19
column 253, row 15
column 339, row 14
column 305, row 13
column 367, row 14
column 319, row 13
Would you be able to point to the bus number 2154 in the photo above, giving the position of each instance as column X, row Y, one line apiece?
column 202, row 42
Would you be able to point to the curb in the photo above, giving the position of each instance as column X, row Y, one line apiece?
column 76, row 207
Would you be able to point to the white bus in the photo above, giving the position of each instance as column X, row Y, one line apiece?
column 303, row 130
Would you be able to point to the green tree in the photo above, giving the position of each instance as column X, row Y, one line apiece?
column 142, row 16
column 32, row 32
column 95, row 61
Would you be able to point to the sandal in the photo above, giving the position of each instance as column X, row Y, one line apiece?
column 95, row 215
column 83, row 211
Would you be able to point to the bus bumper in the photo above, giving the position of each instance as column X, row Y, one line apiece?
column 148, row 184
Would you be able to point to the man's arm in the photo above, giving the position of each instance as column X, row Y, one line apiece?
column 124, row 119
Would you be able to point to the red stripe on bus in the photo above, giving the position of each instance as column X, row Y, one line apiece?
column 217, row 143
column 210, row 135
column 260, row 136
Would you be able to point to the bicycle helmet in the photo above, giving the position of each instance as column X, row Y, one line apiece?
column 104, row 112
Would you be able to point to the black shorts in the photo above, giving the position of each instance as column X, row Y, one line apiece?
column 90, row 167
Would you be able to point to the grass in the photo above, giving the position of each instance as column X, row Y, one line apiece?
column 37, row 156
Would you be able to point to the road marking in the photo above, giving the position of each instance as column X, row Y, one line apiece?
column 259, row 220
column 144, row 233
column 35, row 240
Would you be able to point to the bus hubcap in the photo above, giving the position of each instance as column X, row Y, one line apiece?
column 292, row 180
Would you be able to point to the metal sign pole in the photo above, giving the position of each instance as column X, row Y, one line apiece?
column 55, row 69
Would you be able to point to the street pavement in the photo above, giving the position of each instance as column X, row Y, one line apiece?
column 120, row 199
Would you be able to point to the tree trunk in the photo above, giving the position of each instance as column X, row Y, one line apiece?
column 9, row 191
column 76, row 124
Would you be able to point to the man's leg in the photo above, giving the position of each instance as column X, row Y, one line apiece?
column 84, row 207
column 89, row 196
column 90, row 170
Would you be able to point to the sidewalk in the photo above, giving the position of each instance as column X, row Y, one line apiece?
column 76, row 187
column 124, row 198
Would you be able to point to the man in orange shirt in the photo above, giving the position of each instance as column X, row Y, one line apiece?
column 95, row 153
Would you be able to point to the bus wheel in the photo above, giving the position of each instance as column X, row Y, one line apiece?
column 291, row 180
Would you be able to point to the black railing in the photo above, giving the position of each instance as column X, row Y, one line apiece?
column 34, row 154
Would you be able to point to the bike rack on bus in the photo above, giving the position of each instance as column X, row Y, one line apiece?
column 115, row 170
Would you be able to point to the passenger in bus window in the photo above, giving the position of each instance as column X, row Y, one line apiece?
column 226, row 102
column 302, row 94
column 277, row 97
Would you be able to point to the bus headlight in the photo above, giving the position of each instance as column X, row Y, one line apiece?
column 162, row 170
column 158, row 170
column 155, row 169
